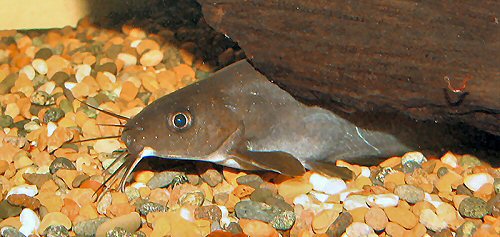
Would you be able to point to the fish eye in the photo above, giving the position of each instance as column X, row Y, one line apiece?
column 181, row 120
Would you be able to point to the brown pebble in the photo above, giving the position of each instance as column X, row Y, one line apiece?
column 210, row 212
column 401, row 216
column 376, row 218
column 23, row 200
column 151, row 58
column 394, row 229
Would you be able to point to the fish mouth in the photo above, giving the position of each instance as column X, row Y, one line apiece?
column 147, row 151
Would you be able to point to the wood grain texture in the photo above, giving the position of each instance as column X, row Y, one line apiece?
column 365, row 55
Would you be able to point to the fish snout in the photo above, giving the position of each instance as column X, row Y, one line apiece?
column 134, row 145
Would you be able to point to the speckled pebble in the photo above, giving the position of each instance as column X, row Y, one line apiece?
column 118, row 232
column 412, row 161
column 338, row 227
column 195, row 198
column 248, row 209
column 467, row 229
column 251, row 180
column 42, row 98
column 6, row 121
column 53, row 115
column 56, row 231
column 409, row 193
column 210, row 212
column 473, row 207
column 284, row 220
column 132, row 193
column 88, row 228
column 164, row 179
column 469, row 161
column 442, row 171
column 61, row 163
column 144, row 207
column 9, row 231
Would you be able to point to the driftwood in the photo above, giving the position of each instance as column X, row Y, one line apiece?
column 433, row 60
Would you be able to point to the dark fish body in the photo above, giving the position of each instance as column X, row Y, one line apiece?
column 238, row 118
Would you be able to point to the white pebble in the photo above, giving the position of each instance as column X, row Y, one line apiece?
column 431, row 221
column 475, row 181
column 433, row 199
column 110, row 76
column 29, row 71
column 355, row 201
column 383, row 200
column 413, row 156
column 128, row 59
column 138, row 185
column 82, row 71
column 40, row 66
column 29, row 222
column 69, row 85
column 308, row 203
column 116, row 92
column 359, row 229
column 48, row 87
column 51, row 128
column 303, row 200
column 224, row 220
column 450, row 159
column 365, row 172
column 135, row 43
column 343, row 195
column 327, row 185
column 319, row 196
column 28, row 190
column 187, row 215
column 106, row 146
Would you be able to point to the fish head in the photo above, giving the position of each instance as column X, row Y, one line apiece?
column 190, row 123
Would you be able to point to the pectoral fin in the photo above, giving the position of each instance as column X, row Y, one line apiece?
column 330, row 169
column 277, row 161
column 235, row 150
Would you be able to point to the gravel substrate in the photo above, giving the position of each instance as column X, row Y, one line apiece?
column 47, row 184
